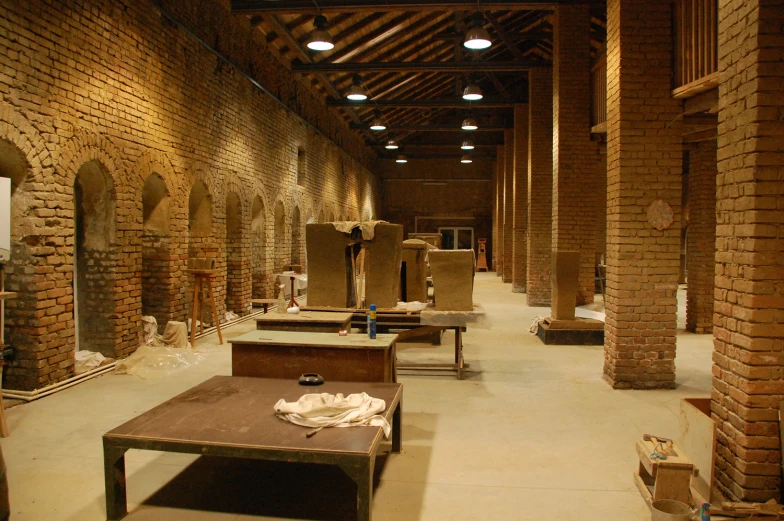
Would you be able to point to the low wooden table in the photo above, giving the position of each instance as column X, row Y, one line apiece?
column 305, row 321
column 289, row 354
column 233, row 417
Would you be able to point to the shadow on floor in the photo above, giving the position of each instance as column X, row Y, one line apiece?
column 264, row 488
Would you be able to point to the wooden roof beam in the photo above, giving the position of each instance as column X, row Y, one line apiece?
column 461, row 67
column 510, row 44
column 423, row 103
column 371, row 39
column 435, row 128
column 331, row 6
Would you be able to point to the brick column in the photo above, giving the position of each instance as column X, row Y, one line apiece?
column 644, row 166
column 494, row 241
column 574, row 211
column 520, row 152
column 540, row 186
column 508, row 204
column 749, row 321
column 701, row 238
column 501, row 192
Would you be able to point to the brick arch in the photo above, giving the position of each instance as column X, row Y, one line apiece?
column 262, row 265
column 85, row 146
column 237, row 249
column 163, row 281
column 33, row 348
column 281, row 238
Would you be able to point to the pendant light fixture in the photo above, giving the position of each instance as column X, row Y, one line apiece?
column 467, row 145
column 391, row 145
column 357, row 92
column 470, row 123
column 477, row 38
column 472, row 92
column 320, row 39
column 378, row 122
column 401, row 159
column 466, row 159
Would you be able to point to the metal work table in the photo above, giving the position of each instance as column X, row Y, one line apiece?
column 231, row 416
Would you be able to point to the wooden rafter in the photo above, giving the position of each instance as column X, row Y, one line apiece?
column 327, row 6
column 466, row 66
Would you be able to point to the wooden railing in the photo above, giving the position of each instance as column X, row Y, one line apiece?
column 696, row 46
column 599, row 95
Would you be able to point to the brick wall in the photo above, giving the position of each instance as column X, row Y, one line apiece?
column 574, row 155
column 540, row 186
column 520, row 246
column 749, row 314
column 701, row 237
column 465, row 199
column 115, row 83
column 644, row 166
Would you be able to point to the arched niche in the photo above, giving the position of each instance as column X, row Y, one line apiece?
column 321, row 217
column 234, row 264
column 296, row 237
column 258, row 248
column 95, row 262
column 281, row 250
column 199, row 222
column 156, row 250
column 331, row 217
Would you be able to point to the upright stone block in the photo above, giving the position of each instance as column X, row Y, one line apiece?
column 330, row 271
column 414, row 253
column 566, row 272
column 383, row 257
column 453, row 279
column 643, row 197
column 748, row 324
column 540, row 186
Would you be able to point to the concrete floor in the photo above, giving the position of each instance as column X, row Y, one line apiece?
column 534, row 433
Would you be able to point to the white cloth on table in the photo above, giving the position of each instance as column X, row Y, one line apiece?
column 367, row 228
column 334, row 410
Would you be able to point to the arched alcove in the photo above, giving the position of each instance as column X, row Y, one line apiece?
column 234, row 282
column 296, row 237
column 321, row 217
column 156, row 251
column 201, row 243
column 281, row 244
column 258, row 248
column 95, row 262
column 331, row 217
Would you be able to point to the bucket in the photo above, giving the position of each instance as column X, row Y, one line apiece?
column 670, row 510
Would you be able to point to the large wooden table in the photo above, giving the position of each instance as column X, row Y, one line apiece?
column 306, row 321
column 289, row 354
column 231, row 416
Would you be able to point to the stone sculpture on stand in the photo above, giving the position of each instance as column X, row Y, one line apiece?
column 453, row 279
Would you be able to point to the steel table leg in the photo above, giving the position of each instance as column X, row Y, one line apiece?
column 397, row 428
column 361, row 471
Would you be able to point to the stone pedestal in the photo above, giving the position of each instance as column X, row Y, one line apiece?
column 574, row 332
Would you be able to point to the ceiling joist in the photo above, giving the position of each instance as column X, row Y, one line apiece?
column 434, row 128
column 450, row 66
column 422, row 103
column 331, row 6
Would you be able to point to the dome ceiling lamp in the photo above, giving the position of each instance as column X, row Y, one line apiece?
column 378, row 122
column 357, row 92
column 391, row 145
column 477, row 37
column 320, row 39
column 401, row 159
column 467, row 145
column 472, row 92
column 470, row 123
column 466, row 159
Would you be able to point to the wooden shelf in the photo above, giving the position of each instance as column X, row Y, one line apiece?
column 5, row 295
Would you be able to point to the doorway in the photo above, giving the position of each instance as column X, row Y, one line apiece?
column 457, row 238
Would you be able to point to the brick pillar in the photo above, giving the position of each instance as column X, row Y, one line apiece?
column 501, row 192
column 574, row 211
column 644, row 166
column 701, row 238
column 540, row 186
column 508, row 161
column 748, row 326
column 520, row 158
column 494, row 242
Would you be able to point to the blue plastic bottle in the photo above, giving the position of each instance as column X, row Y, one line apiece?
column 372, row 321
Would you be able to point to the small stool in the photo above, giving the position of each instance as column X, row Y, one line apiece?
column 203, row 277
column 263, row 302
column 663, row 478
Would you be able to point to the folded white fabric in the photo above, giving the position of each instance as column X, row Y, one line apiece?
column 334, row 410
